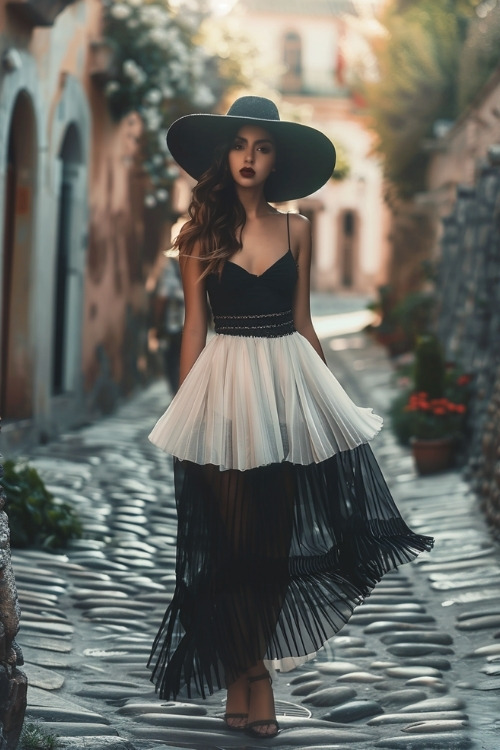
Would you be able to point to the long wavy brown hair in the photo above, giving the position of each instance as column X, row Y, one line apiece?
column 217, row 216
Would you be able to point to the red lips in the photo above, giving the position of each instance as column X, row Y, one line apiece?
column 247, row 172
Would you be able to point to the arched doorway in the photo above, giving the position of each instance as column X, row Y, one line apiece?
column 348, row 234
column 16, row 387
column 67, row 293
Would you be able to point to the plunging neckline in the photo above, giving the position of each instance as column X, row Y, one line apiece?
column 259, row 275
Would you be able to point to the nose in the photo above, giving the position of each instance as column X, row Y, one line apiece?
column 249, row 156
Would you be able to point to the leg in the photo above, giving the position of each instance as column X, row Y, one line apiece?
column 257, row 537
column 236, row 716
column 262, row 715
column 250, row 558
column 171, row 360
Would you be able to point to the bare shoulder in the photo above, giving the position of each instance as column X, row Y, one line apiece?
column 300, row 235
column 191, row 264
column 300, row 225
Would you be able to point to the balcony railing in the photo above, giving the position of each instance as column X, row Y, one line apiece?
column 37, row 12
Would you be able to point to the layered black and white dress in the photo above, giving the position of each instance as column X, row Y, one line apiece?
column 285, row 522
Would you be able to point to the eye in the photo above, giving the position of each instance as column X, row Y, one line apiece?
column 237, row 146
column 265, row 149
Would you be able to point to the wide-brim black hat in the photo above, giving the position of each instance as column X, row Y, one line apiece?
column 306, row 156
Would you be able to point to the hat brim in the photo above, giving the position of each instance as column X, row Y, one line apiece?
column 306, row 156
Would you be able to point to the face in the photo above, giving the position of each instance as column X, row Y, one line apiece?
column 252, row 156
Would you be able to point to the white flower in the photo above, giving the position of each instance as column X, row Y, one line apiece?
column 179, row 51
column 203, row 97
column 135, row 3
column 167, row 92
column 150, row 201
column 197, row 68
column 134, row 72
column 161, row 37
column 153, row 96
column 111, row 87
column 199, row 59
column 153, row 15
column 120, row 11
column 152, row 118
column 176, row 70
column 162, row 194
column 172, row 172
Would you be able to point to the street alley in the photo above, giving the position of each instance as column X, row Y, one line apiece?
column 417, row 666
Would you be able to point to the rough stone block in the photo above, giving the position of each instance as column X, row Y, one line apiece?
column 13, row 716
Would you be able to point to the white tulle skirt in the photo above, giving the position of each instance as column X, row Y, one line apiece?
column 251, row 402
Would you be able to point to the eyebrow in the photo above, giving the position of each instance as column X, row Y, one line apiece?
column 260, row 140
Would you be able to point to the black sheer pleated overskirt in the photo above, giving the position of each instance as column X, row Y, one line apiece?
column 271, row 563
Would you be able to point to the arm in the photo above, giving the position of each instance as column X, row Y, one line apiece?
column 194, row 334
column 301, row 239
column 159, row 309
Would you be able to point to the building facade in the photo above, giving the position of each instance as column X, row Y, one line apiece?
column 71, row 211
column 309, row 49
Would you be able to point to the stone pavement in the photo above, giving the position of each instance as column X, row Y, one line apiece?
column 417, row 666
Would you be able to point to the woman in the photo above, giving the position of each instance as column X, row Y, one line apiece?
column 285, row 522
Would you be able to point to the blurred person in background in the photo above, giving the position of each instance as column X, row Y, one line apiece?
column 169, row 317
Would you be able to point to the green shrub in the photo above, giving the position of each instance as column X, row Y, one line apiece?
column 415, row 314
column 401, row 420
column 430, row 368
column 35, row 737
column 36, row 517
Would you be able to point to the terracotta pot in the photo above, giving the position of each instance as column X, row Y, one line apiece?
column 432, row 456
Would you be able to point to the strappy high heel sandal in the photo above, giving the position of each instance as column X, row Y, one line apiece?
column 240, row 719
column 251, row 727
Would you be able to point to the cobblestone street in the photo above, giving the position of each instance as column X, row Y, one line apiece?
column 417, row 667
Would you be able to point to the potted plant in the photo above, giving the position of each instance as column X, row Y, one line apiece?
column 429, row 414
column 436, row 424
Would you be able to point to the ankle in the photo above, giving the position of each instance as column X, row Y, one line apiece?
column 255, row 674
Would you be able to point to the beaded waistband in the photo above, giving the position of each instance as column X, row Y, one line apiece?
column 269, row 325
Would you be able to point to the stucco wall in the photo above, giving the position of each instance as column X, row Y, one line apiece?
column 104, row 288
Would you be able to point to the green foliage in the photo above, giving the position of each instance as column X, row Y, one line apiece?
column 415, row 314
column 167, row 63
column 401, row 420
column 35, row 737
column 480, row 55
column 342, row 164
column 433, row 397
column 36, row 518
column 429, row 367
column 419, row 59
column 402, row 324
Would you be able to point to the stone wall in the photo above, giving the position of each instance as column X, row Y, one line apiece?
column 13, row 682
column 469, row 321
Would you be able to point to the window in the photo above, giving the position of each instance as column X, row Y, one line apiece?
column 292, row 58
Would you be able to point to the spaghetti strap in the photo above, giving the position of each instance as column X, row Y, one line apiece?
column 288, row 228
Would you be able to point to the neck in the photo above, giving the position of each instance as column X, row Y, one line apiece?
column 253, row 201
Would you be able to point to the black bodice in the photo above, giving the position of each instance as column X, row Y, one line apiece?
column 244, row 304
